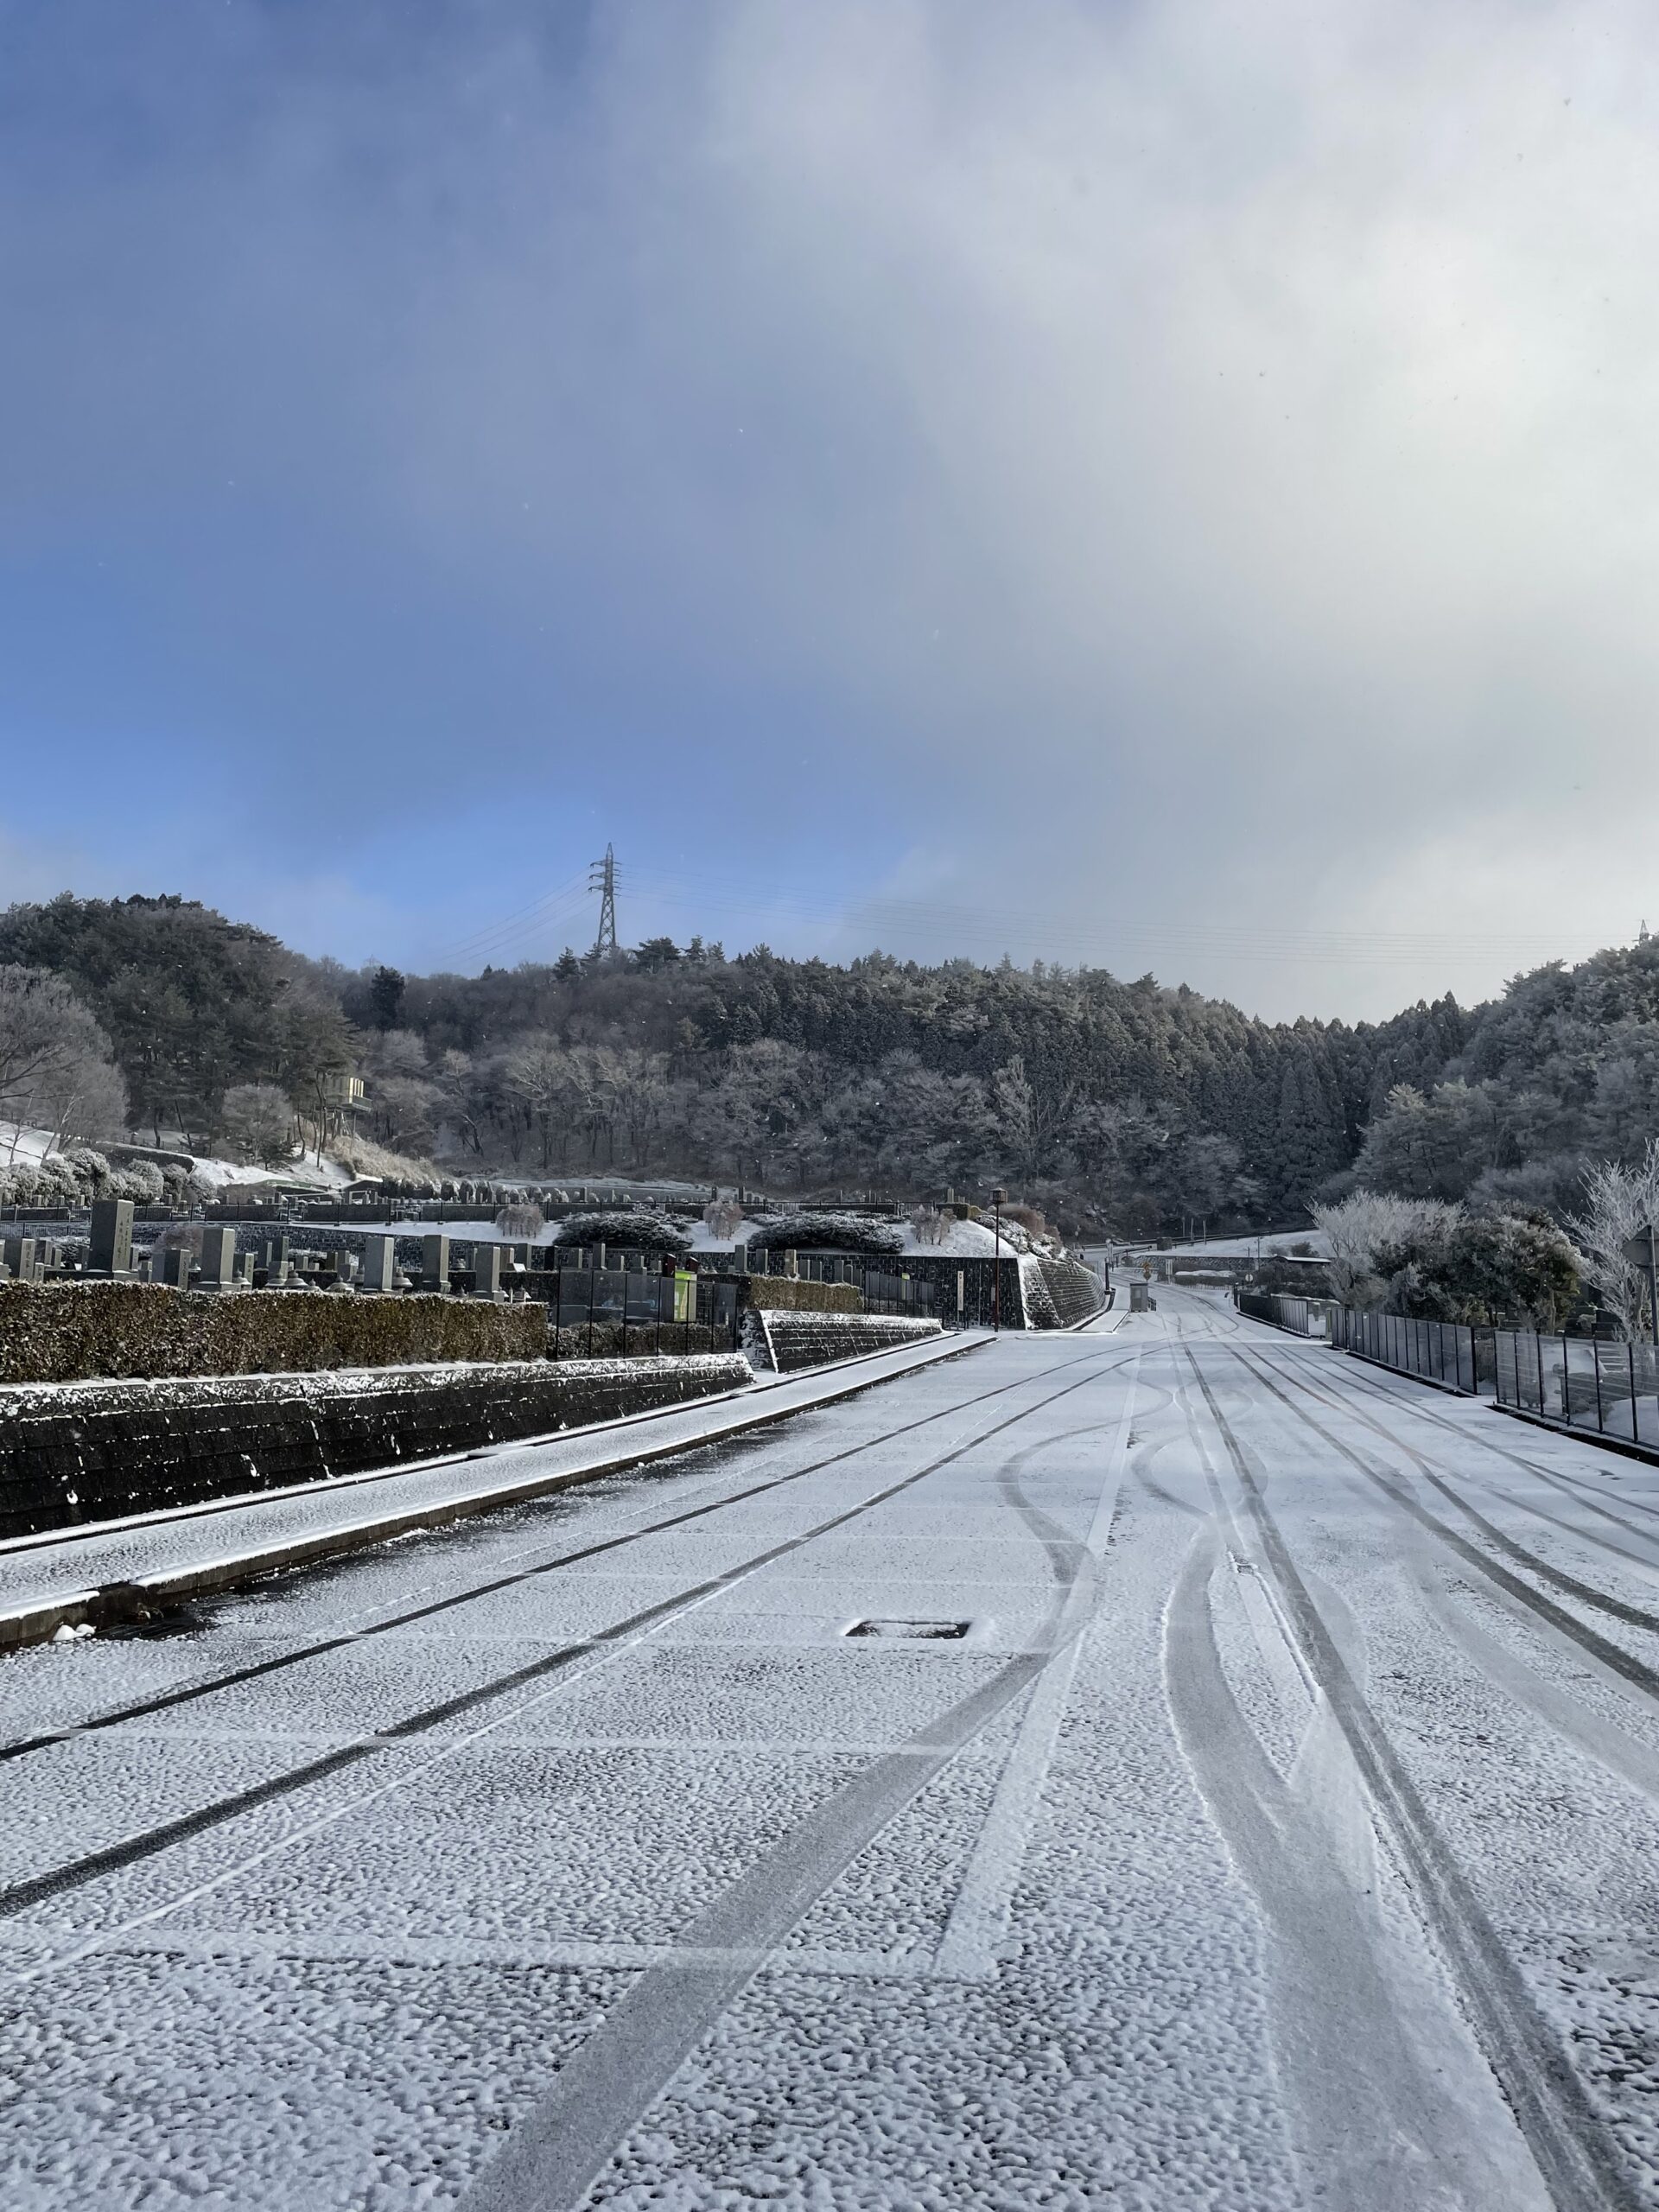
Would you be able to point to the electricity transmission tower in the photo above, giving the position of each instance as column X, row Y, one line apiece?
column 601, row 877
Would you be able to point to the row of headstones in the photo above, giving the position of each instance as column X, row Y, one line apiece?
column 31, row 1259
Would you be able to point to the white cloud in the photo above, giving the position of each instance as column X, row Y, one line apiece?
column 1202, row 457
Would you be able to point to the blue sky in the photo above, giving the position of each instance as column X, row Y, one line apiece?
column 1161, row 486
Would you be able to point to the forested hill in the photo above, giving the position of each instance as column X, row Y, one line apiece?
column 956, row 1074
column 1129, row 1103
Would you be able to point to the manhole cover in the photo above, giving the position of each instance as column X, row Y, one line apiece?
column 914, row 1632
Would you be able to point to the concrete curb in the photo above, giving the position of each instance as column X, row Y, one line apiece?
column 112, row 1604
column 1433, row 1382
column 1627, row 1447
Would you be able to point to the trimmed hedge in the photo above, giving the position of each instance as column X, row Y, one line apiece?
column 80, row 1331
column 787, row 1294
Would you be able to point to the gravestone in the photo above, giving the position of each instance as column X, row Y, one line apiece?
column 435, row 1263
column 487, row 1271
column 20, row 1258
column 217, row 1259
column 379, row 1263
column 176, row 1264
column 109, row 1250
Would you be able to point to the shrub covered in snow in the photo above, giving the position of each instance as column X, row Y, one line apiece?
column 75, row 1178
column 827, row 1232
column 1361, row 1227
column 1499, row 1267
column 630, row 1231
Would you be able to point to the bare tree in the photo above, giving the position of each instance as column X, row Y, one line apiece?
column 541, row 1077
column 1618, row 1202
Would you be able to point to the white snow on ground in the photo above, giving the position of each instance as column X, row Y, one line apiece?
column 667, row 1892
column 1243, row 1247
column 20, row 1145
column 232, row 1174
column 964, row 1240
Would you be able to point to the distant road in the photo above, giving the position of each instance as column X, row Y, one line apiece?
column 1244, row 1792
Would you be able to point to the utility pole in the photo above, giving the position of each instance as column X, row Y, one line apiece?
column 601, row 877
column 997, row 1196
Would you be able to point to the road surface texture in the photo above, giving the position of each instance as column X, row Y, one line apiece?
column 1273, row 1825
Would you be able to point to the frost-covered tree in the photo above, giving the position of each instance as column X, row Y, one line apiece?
column 1364, row 1226
column 1484, row 1270
column 1436, row 1145
column 722, row 1217
column 257, row 1120
column 56, row 1069
column 1618, row 1201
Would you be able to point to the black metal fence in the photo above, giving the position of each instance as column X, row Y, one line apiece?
column 1302, row 1317
column 1444, row 1351
column 592, row 1312
column 1609, row 1389
column 1601, row 1388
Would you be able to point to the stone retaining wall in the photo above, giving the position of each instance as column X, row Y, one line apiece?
column 1058, row 1292
column 783, row 1343
column 83, row 1452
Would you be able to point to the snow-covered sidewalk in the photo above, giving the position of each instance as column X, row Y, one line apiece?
column 65, row 1580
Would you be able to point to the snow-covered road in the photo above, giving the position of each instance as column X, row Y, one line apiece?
column 1278, row 1830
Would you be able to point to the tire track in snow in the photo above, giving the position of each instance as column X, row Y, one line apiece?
column 168, row 1700
column 1569, row 2143
column 1371, row 2061
column 1393, row 1486
column 553, row 2156
column 20, row 1897
column 1646, row 1562
column 1635, row 1762
column 979, row 1918
column 1405, row 1401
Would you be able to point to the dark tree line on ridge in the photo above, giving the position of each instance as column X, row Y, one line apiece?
column 1128, row 1104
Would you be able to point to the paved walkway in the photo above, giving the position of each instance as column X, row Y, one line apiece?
column 1169, row 1766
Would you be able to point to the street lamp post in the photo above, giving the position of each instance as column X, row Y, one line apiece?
column 997, row 1196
